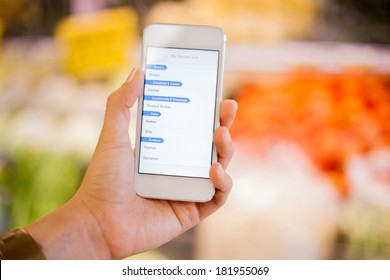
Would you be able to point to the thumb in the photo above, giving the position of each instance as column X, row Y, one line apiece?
column 117, row 115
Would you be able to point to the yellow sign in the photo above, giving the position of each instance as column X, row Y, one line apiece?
column 97, row 44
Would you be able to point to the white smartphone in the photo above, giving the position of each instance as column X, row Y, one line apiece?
column 179, row 111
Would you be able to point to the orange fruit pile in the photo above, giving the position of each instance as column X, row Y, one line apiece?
column 330, row 116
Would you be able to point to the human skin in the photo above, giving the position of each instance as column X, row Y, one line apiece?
column 105, row 219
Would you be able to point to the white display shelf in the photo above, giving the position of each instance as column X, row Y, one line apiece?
column 329, row 56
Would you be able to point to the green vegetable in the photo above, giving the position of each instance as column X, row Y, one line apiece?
column 36, row 183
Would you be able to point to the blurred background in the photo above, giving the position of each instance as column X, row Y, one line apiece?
column 312, row 135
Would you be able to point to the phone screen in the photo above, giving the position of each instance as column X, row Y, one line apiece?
column 178, row 112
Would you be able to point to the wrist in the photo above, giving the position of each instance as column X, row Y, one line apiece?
column 69, row 233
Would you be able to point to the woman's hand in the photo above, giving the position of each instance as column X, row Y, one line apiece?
column 106, row 219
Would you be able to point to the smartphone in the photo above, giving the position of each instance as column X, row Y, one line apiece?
column 178, row 111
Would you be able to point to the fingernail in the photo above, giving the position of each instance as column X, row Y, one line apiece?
column 235, row 104
column 131, row 75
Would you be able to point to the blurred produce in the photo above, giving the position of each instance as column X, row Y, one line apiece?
column 245, row 20
column 49, row 126
column 331, row 116
column 45, row 110
column 96, row 44
column 281, row 207
column 366, row 229
column 369, row 174
column 366, row 223
column 305, row 137
column 37, row 182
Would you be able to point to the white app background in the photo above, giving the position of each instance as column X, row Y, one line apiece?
column 178, row 112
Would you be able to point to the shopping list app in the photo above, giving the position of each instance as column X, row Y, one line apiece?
column 178, row 112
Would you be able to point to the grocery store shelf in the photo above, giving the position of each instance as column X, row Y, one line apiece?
column 328, row 56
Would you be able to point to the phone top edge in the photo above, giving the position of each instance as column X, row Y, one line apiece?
column 184, row 25
column 196, row 26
